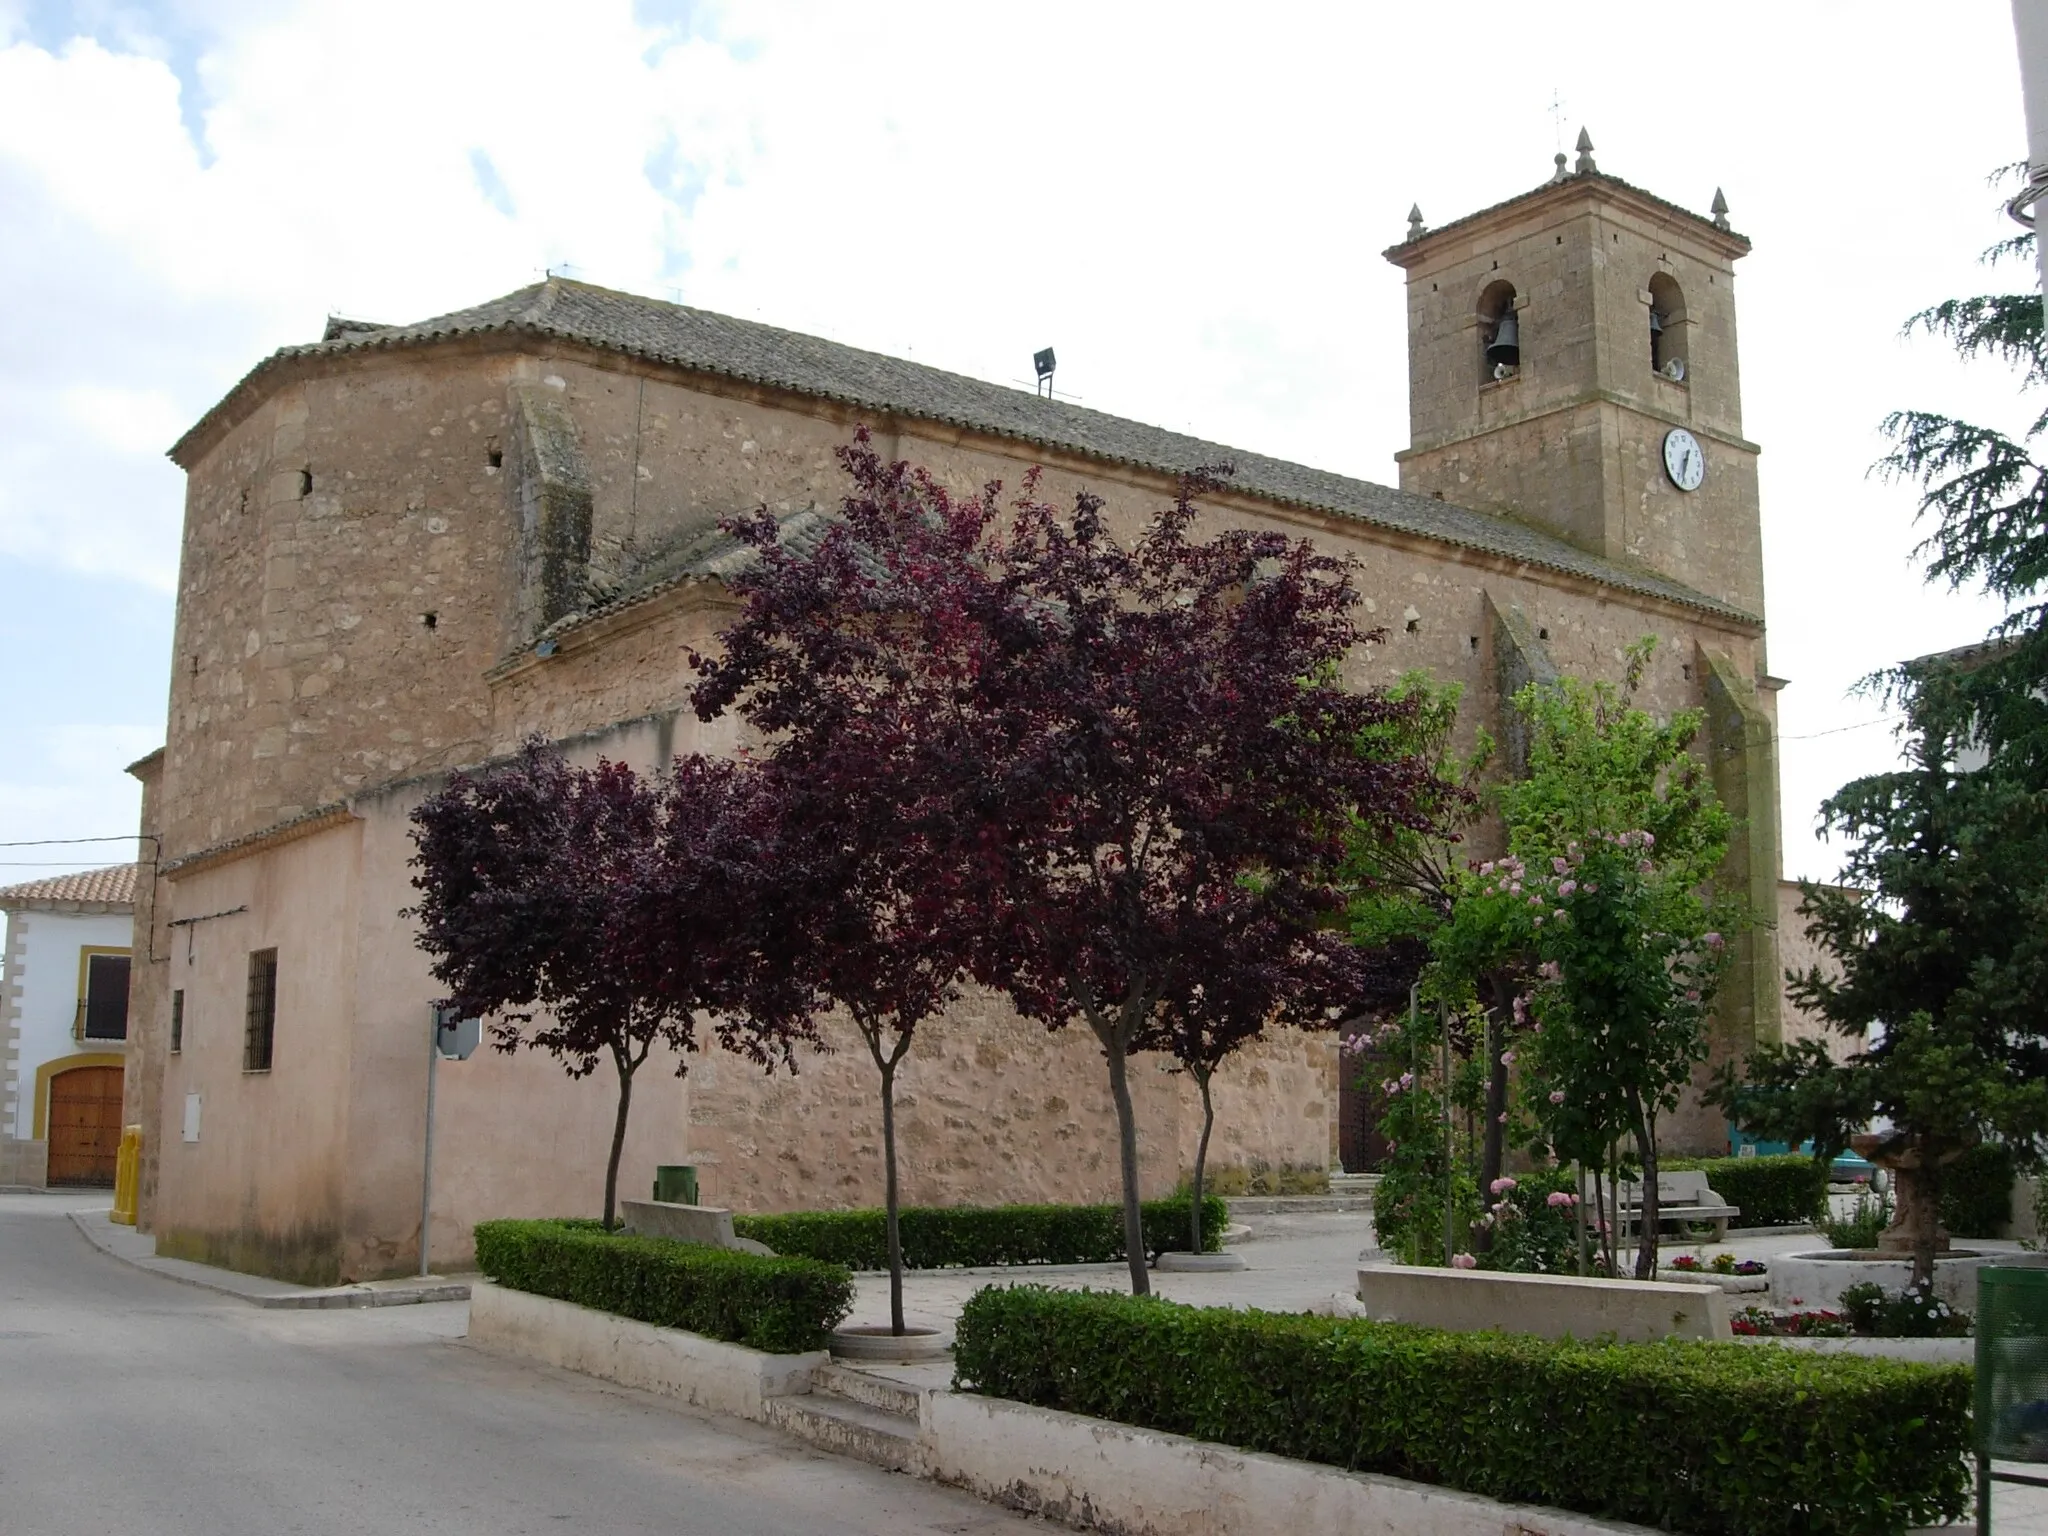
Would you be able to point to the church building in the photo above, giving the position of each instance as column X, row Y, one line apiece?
column 406, row 548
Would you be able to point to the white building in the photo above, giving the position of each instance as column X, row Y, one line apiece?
column 64, row 1026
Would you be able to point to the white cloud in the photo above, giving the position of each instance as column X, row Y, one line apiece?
column 1188, row 200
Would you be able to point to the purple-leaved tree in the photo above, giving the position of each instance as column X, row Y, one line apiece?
column 1104, row 743
column 594, row 912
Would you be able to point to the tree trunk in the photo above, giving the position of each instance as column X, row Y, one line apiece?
column 1127, row 1150
column 1648, row 1217
column 1201, row 1161
column 890, row 1198
column 611, row 1171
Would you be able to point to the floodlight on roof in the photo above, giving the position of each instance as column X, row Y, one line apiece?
column 1044, row 363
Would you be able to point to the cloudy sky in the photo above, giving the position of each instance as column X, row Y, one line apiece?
column 1188, row 200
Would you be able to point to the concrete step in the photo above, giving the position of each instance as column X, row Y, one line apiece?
column 847, row 1428
column 863, row 1387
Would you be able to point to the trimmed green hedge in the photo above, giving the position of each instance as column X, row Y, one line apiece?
column 1976, row 1191
column 784, row 1306
column 1787, row 1191
column 971, row 1236
column 1715, row 1439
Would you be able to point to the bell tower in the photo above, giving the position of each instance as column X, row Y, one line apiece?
column 1572, row 364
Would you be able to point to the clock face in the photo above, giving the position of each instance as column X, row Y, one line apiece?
column 1683, row 461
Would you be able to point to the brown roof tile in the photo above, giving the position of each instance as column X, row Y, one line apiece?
column 113, row 886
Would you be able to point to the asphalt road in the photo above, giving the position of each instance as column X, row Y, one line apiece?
column 136, row 1405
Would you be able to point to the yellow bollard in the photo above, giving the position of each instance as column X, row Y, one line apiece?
column 127, row 1175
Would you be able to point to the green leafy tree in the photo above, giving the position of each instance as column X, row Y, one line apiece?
column 1605, row 981
column 1940, row 949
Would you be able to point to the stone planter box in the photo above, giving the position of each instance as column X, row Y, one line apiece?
column 1552, row 1306
column 1734, row 1285
column 726, row 1378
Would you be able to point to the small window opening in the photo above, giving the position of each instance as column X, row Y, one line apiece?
column 494, row 457
column 305, row 483
column 1667, row 329
column 195, row 663
column 430, row 620
column 1500, row 334
column 1685, row 667
column 1474, row 641
column 1439, row 495
column 260, row 1030
column 1496, row 266
column 244, row 507
column 177, row 1021
column 1542, row 634
column 103, row 1011
column 1414, row 626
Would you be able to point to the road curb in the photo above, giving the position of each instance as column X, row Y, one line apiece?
column 255, row 1290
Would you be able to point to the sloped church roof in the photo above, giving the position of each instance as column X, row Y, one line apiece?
column 700, row 341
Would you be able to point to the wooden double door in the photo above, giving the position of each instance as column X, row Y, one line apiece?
column 85, row 1126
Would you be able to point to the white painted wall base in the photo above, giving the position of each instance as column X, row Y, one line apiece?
column 1138, row 1482
column 1084, row 1472
column 705, row 1373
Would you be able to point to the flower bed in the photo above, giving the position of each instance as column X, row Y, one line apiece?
column 781, row 1305
column 967, row 1236
column 1721, row 1264
column 1704, row 1438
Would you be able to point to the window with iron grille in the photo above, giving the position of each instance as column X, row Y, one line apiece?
column 262, row 1026
column 106, row 997
column 177, row 1021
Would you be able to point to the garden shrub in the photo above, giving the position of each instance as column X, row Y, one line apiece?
column 964, row 1236
column 1914, row 1313
column 1861, row 1227
column 782, row 1305
column 1530, row 1234
column 1715, row 1439
column 1976, row 1191
column 1785, row 1191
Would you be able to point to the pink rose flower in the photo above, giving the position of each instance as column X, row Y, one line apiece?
column 1557, row 1096
column 1463, row 1261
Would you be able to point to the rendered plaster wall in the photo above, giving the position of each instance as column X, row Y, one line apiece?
column 262, row 1188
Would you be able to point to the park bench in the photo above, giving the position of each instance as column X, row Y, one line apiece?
column 1682, row 1197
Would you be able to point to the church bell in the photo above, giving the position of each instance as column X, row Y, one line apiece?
column 1506, row 346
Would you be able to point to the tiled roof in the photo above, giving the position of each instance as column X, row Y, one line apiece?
column 113, row 886
column 744, row 350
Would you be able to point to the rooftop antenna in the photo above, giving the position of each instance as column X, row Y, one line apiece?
column 1557, row 119
column 1043, row 364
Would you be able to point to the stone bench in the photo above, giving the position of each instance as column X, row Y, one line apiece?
column 1683, row 1196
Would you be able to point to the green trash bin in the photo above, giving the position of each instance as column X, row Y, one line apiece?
column 676, row 1183
column 2012, row 1377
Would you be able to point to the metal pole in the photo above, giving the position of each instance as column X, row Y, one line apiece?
column 427, row 1164
column 1443, row 1027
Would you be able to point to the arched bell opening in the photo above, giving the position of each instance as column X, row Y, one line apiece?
column 1500, row 333
column 1668, row 329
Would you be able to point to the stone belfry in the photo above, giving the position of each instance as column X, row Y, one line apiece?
column 1572, row 364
